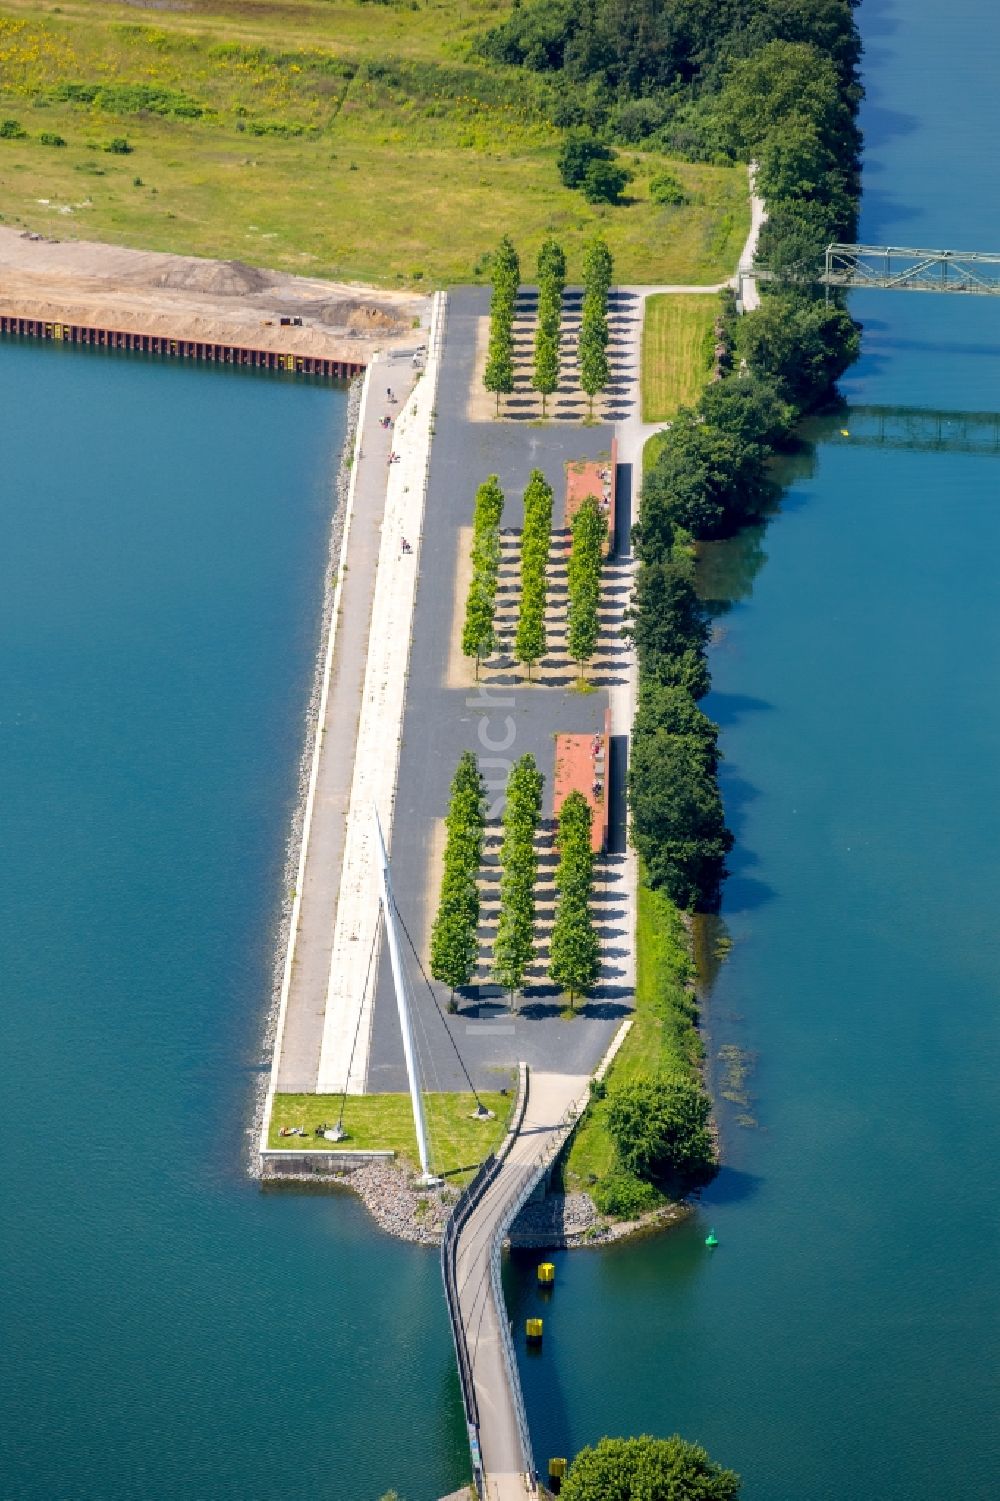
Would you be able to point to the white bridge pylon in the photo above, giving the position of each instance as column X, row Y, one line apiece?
column 402, row 1002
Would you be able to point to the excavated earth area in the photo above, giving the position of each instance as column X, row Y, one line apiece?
column 224, row 302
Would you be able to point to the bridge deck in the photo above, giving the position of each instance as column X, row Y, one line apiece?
column 503, row 1441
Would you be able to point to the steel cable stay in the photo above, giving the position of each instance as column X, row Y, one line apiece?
column 426, row 1065
column 339, row 1128
column 481, row 1108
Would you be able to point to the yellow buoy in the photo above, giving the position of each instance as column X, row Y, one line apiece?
column 546, row 1273
column 533, row 1329
column 557, row 1469
column 844, row 433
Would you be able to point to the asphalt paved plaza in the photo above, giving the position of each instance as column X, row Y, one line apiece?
column 499, row 723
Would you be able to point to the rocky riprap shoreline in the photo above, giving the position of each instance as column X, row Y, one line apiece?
column 403, row 1208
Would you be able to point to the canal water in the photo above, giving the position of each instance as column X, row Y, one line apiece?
column 840, row 1342
column 171, row 1333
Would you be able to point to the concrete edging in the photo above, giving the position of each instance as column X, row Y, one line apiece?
column 315, row 1160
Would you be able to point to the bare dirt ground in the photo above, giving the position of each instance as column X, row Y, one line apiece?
column 224, row 302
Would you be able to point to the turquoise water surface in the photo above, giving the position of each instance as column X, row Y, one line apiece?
column 841, row 1340
column 169, row 1331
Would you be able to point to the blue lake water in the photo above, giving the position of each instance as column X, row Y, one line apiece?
column 171, row 1333
column 840, row 1340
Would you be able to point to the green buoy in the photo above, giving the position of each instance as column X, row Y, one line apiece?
column 711, row 1239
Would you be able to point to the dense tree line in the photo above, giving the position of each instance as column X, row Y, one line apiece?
column 574, row 951
column 514, row 946
column 589, row 530
column 498, row 376
column 455, row 933
column 674, row 73
column 530, row 639
column 592, row 349
column 479, row 631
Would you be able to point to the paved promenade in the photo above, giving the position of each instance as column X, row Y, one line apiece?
column 383, row 499
column 498, row 722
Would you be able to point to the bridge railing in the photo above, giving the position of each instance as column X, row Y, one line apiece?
column 463, row 1208
column 521, row 1188
column 464, row 1205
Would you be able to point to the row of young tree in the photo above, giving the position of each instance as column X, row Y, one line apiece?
column 589, row 532
column 574, row 947
column 598, row 269
column 455, row 933
column 551, row 285
column 530, row 638
column 498, row 376
column 479, row 636
column 589, row 535
column 574, row 953
column 514, row 945
column 592, row 350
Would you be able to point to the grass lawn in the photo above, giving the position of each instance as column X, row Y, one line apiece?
column 327, row 137
column 663, row 1036
column 676, row 352
column 385, row 1122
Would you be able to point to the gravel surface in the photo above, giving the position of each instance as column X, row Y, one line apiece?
column 189, row 297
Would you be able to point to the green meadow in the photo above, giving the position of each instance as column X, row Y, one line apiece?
column 350, row 140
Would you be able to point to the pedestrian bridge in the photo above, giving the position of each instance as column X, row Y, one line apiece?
column 895, row 268
column 545, row 1112
column 923, row 429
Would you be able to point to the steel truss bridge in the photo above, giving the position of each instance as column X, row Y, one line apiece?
column 895, row 268
column 923, row 429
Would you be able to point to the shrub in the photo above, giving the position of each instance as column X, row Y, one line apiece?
column 49, row 138
column 119, row 146
column 624, row 1196
column 664, row 188
column 660, row 1129
column 580, row 151
column 12, row 130
column 604, row 182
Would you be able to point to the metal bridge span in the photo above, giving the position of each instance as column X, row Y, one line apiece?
column 896, row 268
column 923, row 429
column 546, row 1110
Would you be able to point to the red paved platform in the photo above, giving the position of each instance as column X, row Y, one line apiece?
column 597, row 479
column 582, row 766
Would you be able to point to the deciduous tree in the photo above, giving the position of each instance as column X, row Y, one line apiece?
column 648, row 1469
